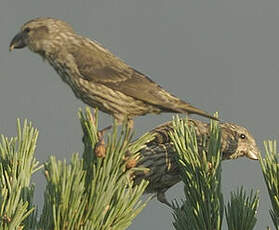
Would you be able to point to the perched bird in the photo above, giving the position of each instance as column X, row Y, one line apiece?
column 95, row 75
column 159, row 155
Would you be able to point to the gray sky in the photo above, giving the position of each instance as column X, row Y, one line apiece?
column 220, row 55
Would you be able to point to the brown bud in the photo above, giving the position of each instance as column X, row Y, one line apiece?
column 131, row 163
column 100, row 149
column 46, row 174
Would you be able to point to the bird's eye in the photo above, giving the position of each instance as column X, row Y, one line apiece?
column 242, row 136
column 27, row 30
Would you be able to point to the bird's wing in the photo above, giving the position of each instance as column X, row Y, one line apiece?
column 100, row 66
column 127, row 81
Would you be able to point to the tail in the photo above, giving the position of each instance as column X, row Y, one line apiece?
column 187, row 108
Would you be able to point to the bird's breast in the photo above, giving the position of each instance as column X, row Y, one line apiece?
column 65, row 73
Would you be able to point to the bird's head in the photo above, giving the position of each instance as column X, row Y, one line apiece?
column 243, row 143
column 41, row 35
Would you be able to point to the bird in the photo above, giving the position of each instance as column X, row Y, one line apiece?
column 158, row 156
column 96, row 76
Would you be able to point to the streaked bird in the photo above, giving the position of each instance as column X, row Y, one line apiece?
column 159, row 155
column 96, row 76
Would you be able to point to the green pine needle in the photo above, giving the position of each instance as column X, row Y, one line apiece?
column 95, row 192
column 270, row 169
column 17, row 164
column 201, row 174
column 241, row 210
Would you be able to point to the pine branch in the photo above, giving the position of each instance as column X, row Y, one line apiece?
column 17, row 164
column 95, row 192
column 270, row 169
column 201, row 174
column 200, row 171
column 241, row 210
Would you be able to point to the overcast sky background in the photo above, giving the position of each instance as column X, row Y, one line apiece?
column 220, row 55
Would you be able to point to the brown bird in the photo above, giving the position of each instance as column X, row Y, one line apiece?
column 159, row 155
column 95, row 75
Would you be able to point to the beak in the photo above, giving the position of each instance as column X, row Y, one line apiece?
column 253, row 154
column 18, row 41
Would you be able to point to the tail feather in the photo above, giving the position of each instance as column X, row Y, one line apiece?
column 189, row 109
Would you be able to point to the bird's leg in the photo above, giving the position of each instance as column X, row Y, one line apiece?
column 130, row 124
column 121, row 120
column 102, row 131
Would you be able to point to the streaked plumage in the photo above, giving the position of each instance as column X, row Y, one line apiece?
column 95, row 75
column 159, row 155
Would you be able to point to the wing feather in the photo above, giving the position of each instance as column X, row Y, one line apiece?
column 102, row 67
